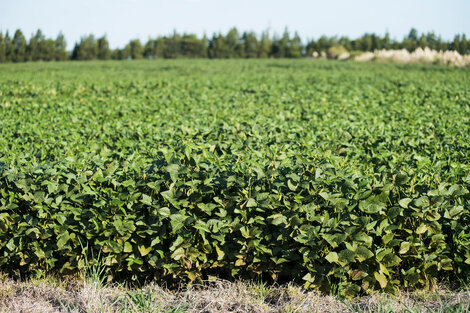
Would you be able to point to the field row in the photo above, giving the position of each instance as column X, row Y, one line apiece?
column 343, row 176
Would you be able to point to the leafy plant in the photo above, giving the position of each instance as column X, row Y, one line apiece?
column 350, row 178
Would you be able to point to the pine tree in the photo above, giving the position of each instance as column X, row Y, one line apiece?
column 232, row 41
column 160, row 47
column 218, row 48
column 19, row 47
column 310, row 48
column 47, row 50
column 136, row 49
column 103, row 48
column 250, row 44
column 3, row 49
column 204, row 47
column 422, row 42
column 455, row 45
column 322, row 44
column 410, row 42
column 149, row 49
column 88, row 48
column 9, row 47
column 125, row 53
column 280, row 46
column 294, row 48
column 264, row 46
column 116, row 54
column 172, row 46
column 345, row 42
column 375, row 42
column 33, row 49
column 413, row 35
column 386, row 44
column 61, row 53
column 366, row 43
column 463, row 45
column 431, row 41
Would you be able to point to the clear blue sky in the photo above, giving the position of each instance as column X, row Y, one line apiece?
column 122, row 20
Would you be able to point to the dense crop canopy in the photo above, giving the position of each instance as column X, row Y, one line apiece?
column 333, row 174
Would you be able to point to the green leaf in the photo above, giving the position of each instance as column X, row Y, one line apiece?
column 251, row 203
column 291, row 186
column 62, row 240
column 277, row 219
column 332, row 257
column 178, row 254
column 144, row 251
column 164, row 212
column 127, row 247
column 422, row 228
column 422, row 202
column 381, row 279
column 202, row 227
column 371, row 205
column 146, row 200
column 173, row 170
column 404, row 247
column 362, row 253
column 404, row 202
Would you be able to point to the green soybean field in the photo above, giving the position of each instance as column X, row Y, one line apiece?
column 334, row 175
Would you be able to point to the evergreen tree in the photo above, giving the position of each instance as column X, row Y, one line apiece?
column 218, row 48
column 103, row 48
column 125, row 53
column 345, row 42
column 33, row 49
column 172, row 46
column 192, row 47
column 136, row 49
column 366, row 43
column 160, row 47
column 250, row 44
column 280, row 46
column 455, row 45
column 3, row 49
column 232, row 41
column 422, row 42
column 410, row 43
column 19, row 46
column 310, row 48
column 149, row 49
column 47, row 49
column 386, row 44
column 432, row 41
column 116, row 54
column 294, row 48
column 61, row 53
column 74, row 54
column 10, row 48
column 204, row 47
column 322, row 44
column 264, row 46
column 375, row 42
column 413, row 35
column 87, row 49
column 463, row 45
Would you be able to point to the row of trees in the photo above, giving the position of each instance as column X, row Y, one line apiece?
column 231, row 45
column 16, row 49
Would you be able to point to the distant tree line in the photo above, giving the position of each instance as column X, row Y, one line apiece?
column 231, row 45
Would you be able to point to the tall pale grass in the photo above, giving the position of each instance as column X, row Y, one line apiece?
column 420, row 55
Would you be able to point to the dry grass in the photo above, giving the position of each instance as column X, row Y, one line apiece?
column 220, row 296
